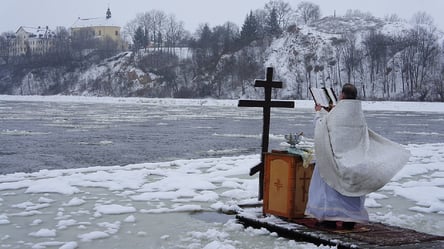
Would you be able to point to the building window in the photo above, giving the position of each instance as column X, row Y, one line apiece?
column 117, row 33
column 100, row 32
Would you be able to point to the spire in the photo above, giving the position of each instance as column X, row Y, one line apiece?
column 108, row 14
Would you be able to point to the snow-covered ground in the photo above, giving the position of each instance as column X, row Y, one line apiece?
column 176, row 204
column 437, row 107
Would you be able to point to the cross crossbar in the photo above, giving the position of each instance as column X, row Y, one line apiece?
column 262, row 83
column 261, row 103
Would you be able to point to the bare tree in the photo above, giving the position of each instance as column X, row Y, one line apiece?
column 352, row 55
column 131, row 27
column 158, row 20
column 83, row 39
column 61, row 46
column 358, row 13
column 422, row 18
column 107, row 46
column 375, row 46
column 392, row 18
column 439, row 85
column 420, row 57
column 159, row 28
column 174, row 32
column 6, row 45
column 283, row 11
column 309, row 11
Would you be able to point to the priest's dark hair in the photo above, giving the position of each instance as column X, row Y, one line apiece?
column 349, row 91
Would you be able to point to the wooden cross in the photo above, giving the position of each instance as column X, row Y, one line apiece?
column 278, row 185
column 266, row 104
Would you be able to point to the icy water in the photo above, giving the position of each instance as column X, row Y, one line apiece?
column 52, row 135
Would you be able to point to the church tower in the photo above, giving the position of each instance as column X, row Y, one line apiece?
column 108, row 14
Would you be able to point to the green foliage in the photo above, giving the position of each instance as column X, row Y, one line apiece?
column 272, row 25
column 140, row 39
column 250, row 29
column 211, row 45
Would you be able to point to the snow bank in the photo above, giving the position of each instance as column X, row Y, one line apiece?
column 99, row 211
column 305, row 104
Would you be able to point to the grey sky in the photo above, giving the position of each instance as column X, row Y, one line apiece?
column 52, row 13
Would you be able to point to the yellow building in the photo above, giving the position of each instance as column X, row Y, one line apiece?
column 99, row 27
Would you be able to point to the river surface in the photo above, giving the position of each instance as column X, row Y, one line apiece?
column 60, row 135
column 54, row 135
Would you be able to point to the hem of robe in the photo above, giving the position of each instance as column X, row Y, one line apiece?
column 335, row 218
column 329, row 204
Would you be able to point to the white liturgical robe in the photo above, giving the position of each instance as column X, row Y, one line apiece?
column 351, row 161
column 325, row 203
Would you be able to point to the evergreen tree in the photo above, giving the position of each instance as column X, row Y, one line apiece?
column 250, row 29
column 272, row 24
column 202, row 49
column 205, row 37
column 140, row 38
column 284, row 12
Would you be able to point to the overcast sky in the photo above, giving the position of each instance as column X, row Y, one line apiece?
column 53, row 13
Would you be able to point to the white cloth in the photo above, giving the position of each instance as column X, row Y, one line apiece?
column 353, row 159
column 325, row 203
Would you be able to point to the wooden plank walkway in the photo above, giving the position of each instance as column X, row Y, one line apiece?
column 372, row 235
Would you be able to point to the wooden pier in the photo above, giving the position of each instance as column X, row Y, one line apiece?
column 372, row 235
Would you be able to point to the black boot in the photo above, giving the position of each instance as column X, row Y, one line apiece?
column 327, row 224
column 348, row 225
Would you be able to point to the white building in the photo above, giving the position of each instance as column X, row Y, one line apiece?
column 32, row 41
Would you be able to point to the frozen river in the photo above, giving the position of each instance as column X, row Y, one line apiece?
column 169, row 169
column 58, row 135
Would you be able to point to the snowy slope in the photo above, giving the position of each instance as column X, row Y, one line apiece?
column 315, row 55
column 305, row 55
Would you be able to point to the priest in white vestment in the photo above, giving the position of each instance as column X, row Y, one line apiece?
column 351, row 161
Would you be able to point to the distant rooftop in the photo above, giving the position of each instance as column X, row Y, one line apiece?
column 96, row 21
column 41, row 32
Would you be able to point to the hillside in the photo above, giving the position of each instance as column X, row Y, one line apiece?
column 385, row 60
column 314, row 55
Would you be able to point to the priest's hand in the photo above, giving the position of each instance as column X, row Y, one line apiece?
column 318, row 107
column 329, row 108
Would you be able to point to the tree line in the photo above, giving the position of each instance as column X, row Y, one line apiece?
column 400, row 66
column 155, row 29
column 222, row 55
column 225, row 58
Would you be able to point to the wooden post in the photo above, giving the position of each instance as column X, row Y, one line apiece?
column 268, row 84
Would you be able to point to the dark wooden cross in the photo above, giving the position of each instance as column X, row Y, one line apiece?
column 266, row 104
